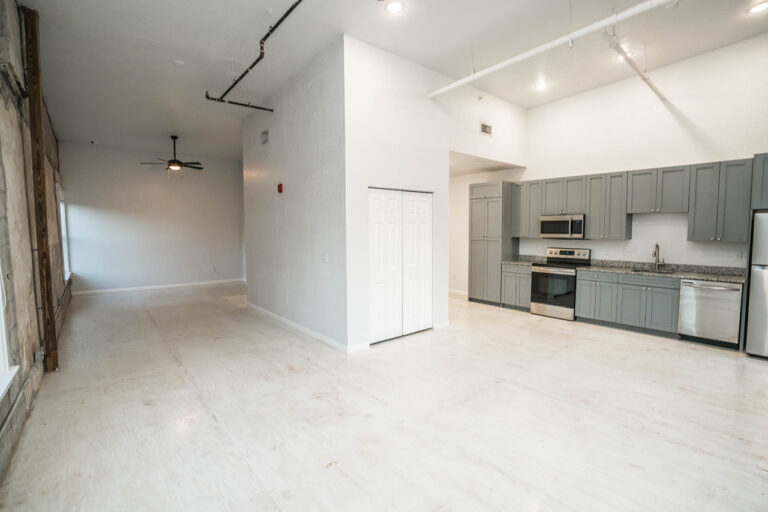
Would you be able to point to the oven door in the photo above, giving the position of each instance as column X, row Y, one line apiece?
column 553, row 292
column 555, row 227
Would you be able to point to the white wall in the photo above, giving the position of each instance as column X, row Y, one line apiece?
column 130, row 226
column 294, row 242
column 717, row 112
column 459, row 245
column 397, row 138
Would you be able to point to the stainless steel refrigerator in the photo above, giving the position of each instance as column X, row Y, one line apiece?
column 757, row 321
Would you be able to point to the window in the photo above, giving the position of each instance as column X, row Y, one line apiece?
column 64, row 230
column 6, row 371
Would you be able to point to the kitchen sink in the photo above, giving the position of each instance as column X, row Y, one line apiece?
column 660, row 271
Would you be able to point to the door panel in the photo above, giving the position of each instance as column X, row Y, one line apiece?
column 477, row 249
column 605, row 301
column 585, row 299
column 760, row 241
column 575, row 200
column 662, row 309
column 493, row 215
column 534, row 208
column 477, row 218
column 524, row 290
column 702, row 213
column 641, row 194
column 417, row 262
column 735, row 198
column 493, row 270
column 757, row 327
column 631, row 305
column 386, row 264
column 672, row 189
column 618, row 225
column 509, row 289
column 552, row 198
column 596, row 213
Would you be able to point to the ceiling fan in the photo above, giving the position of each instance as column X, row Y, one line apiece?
column 174, row 166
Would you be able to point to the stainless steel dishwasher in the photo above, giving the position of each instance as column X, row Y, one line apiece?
column 710, row 310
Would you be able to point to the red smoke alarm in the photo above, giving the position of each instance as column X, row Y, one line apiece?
column 279, row 188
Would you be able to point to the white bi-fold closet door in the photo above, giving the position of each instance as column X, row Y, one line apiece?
column 400, row 259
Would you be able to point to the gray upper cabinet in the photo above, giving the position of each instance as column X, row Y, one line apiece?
column 702, row 216
column 658, row 190
column 672, row 189
column 760, row 182
column 530, row 209
column 564, row 196
column 595, row 207
column 720, row 202
column 552, row 197
column 641, row 194
column 618, row 225
column 606, row 207
column 575, row 199
column 734, row 199
column 483, row 190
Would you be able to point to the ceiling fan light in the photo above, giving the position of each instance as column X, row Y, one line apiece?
column 394, row 7
column 174, row 167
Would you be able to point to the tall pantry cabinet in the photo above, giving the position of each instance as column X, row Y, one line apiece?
column 490, row 238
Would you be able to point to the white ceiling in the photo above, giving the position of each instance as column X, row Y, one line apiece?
column 108, row 74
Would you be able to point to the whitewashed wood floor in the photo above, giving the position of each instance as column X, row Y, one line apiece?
column 188, row 400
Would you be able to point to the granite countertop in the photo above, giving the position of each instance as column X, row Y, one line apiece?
column 719, row 274
column 516, row 262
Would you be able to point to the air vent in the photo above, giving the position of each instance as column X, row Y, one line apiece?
column 264, row 137
column 486, row 129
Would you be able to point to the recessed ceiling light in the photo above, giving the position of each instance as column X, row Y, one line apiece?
column 394, row 6
column 542, row 85
column 178, row 63
column 757, row 8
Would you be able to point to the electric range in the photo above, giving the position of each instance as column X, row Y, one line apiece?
column 553, row 284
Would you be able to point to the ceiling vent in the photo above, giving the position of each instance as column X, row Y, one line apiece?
column 486, row 129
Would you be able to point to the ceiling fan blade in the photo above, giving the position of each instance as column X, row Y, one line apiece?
column 152, row 163
column 163, row 160
column 192, row 163
column 192, row 166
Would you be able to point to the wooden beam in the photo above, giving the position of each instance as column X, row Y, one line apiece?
column 36, row 127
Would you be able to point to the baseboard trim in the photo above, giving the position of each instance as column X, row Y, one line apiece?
column 156, row 287
column 309, row 332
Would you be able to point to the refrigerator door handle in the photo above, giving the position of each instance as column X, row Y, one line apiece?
column 760, row 267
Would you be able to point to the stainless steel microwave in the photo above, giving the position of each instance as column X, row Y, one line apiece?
column 562, row 226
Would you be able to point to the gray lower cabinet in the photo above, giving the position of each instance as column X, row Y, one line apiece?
column 477, row 261
column 516, row 286
column 760, row 182
column 596, row 299
column 606, row 207
column 632, row 301
column 648, row 302
column 662, row 190
column 493, row 270
column 720, row 202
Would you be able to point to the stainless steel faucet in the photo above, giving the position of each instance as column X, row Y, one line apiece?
column 656, row 254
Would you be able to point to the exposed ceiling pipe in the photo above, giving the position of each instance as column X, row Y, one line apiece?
column 597, row 26
column 613, row 41
column 272, row 29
